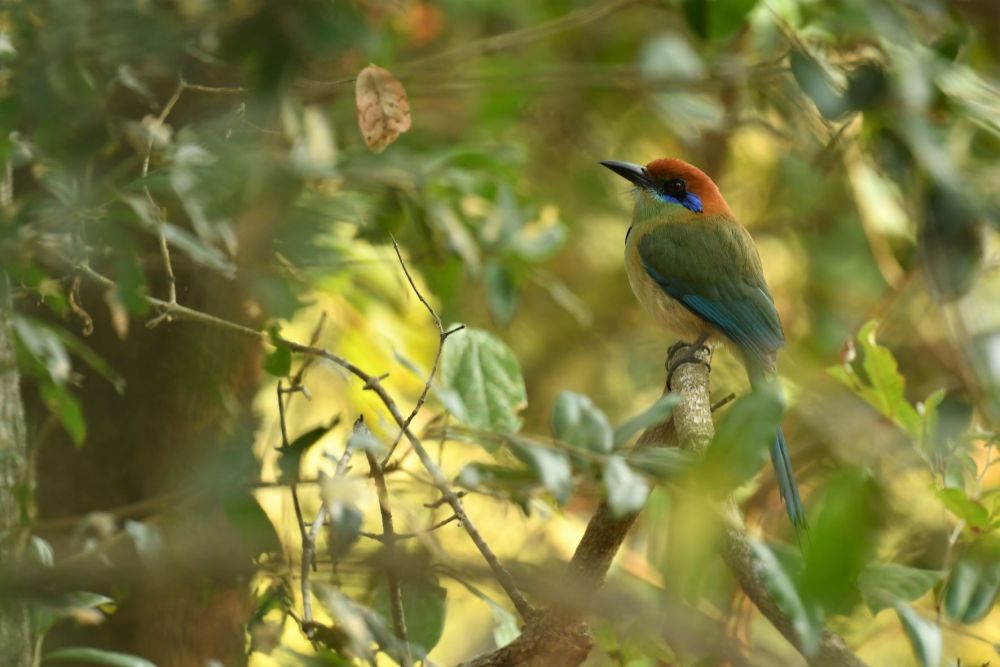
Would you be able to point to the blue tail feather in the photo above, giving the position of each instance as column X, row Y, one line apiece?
column 787, row 486
column 783, row 471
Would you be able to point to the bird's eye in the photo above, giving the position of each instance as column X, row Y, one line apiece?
column 675, row 187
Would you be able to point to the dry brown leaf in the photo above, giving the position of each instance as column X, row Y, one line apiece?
column 383, row 110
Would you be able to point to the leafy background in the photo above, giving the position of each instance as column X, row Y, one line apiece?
column 857, row 140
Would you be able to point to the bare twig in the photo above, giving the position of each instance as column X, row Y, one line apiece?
column 407, row 536
column 389, row 540
column 307, row 565
column 155, row 127
column 442, row 337
column 373, row 384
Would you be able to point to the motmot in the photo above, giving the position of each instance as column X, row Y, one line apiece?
column 697, row 272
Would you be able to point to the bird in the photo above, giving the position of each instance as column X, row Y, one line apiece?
column 697, row 272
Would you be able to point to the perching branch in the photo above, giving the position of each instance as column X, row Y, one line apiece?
column 560, row 637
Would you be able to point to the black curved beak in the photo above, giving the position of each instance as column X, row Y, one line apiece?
column 631, row 172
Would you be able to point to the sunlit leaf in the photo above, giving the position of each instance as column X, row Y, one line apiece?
column 959, row 504
column 383, row 108
column 883, row 387
column 485, row 376
column 885, row 585
column 924, row 635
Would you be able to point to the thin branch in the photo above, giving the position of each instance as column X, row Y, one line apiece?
column 442, row 337
column 160, row 214
column 389, row 540
column 308, row 562
column 373, row 384
column 407, row 536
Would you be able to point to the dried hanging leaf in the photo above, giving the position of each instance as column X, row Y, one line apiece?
column 383, row 110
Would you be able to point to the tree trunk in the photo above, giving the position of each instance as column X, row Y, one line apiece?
column 15, row 627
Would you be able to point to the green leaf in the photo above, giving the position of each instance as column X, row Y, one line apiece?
column 485, row 376
column 45, row 347
column 49, row 610
column 782, row 589
column 743, row 438
column 965, row 508
column 841, row 542
column 888, row 384
column 626, row 489
column 815, row 83
column 924, row 636
column 578, row 422
column 883, row 386
column 424, row 608
column 97, row 657
column 661, row 462
column 290, row 456
column 974, row 583
column 278, row 362
column 884, row 585
column 344, row 528
column 251, row 522
column 179, row 238
column 657, row 413
column 67, row 409
column 550, row 466
column 356, row 626
column 716, row 19
column 501, row 294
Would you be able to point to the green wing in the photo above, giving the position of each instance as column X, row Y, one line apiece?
column 712, row 268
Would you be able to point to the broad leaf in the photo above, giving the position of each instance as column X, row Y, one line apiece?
column 974, row 583
column 924, row 636
column 743, row 437
column 551, row 466
column 578, row 422
column 657, row 413
column 965, row 508
column 424, row 608
column 884, row 585
column 627, row 490
column 782, row 589
column 486, row 380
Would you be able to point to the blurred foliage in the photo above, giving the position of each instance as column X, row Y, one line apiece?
column 859, row 141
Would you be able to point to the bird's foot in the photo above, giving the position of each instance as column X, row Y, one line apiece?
column 682, row 352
